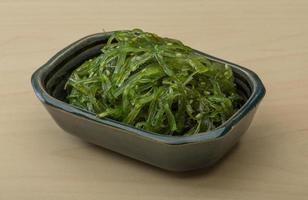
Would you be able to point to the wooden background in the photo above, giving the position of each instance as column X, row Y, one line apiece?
column 39, row 161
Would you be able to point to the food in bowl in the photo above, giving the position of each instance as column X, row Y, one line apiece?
column 156, row 84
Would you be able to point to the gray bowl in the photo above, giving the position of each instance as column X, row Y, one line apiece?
column 175, row 153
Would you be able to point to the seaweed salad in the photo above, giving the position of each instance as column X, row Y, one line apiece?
column 156, row 84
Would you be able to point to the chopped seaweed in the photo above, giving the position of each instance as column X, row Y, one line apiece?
column 156, row 84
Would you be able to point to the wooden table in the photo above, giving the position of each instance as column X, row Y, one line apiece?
column 39, row 161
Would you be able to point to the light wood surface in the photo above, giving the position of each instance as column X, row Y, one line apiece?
column 39, row 161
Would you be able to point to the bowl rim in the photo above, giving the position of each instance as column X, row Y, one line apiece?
column 37, row 78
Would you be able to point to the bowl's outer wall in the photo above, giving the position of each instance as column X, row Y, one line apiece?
column 178, row 157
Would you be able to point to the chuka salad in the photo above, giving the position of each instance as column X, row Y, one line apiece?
column 156, row 84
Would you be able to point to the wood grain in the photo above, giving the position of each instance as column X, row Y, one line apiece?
column 39, row 161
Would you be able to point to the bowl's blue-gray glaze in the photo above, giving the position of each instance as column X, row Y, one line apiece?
column 176, row 153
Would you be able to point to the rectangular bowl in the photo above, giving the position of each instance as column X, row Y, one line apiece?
column 175, row 153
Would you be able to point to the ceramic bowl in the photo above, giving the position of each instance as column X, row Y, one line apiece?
column 175, row 153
